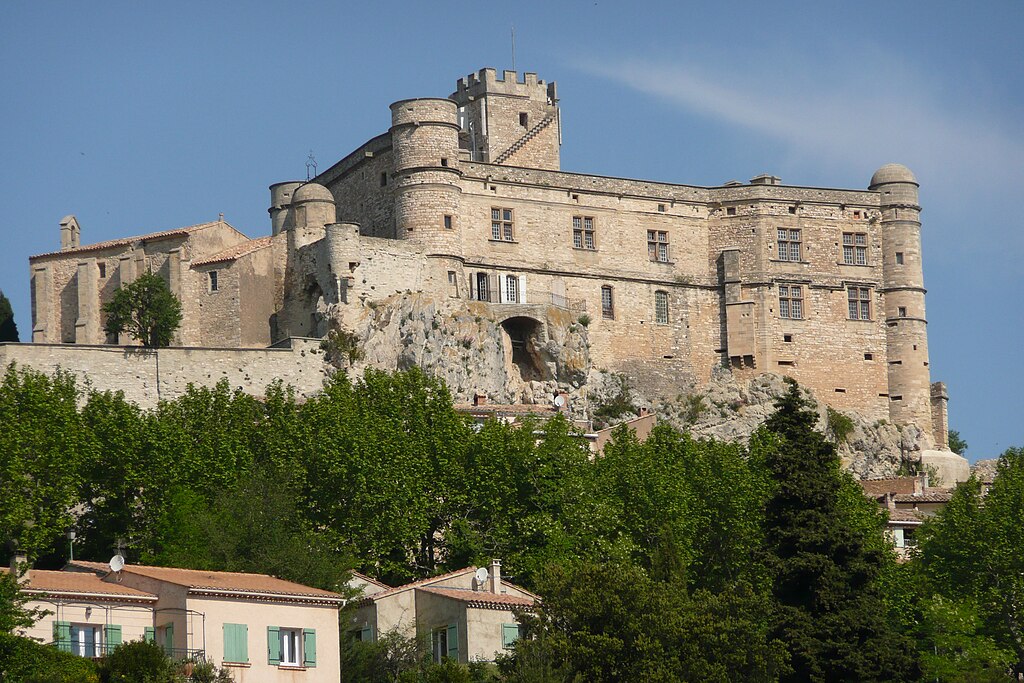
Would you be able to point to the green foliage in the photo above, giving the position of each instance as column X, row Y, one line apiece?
column 839, row 425
column 137, row 662
column 954, row 648
column 144, row 309
column 584, row 320
column 26, row 661
column 396, row 658
column 8, row 328
column 14, row 616
column 619, row 404
column 956, row 444
column 828, row 607
column 342, row 346
column 693, row 407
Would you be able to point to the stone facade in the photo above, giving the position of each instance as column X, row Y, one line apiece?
column 463, row 199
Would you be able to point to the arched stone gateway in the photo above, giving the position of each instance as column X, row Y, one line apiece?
column 525, row 338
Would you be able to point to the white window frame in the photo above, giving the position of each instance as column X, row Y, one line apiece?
column 292, row 653
column 79, row 642
column 439, row 644
column 512, row 294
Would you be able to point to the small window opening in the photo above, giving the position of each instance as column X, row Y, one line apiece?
column 787, row 363
column 896, row 398
column 869, row 356
column 840, row 391
column 444, row 161
column 214, row 286
column 792, row 209
column 856, row 214
column 730, row 211
column 383, row 179
column 787, row 338
column 103, row 269
column 494, row 188
column 453, row 284
column 576, row 198
column 661, row 208
column 899, row 258
column 915, row 347
column 524, row 119
column 902, row 311
column 895, row 362
column 447, row 221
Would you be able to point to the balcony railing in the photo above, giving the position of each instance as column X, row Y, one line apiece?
column 99, row 650
column 564, row 302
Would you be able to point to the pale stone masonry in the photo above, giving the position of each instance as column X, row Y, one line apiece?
column 463, row 198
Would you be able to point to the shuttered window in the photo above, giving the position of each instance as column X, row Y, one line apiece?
column 62, row 635
column 309, row 647
column 236, row 643
column 111, row 637
column 509, row 635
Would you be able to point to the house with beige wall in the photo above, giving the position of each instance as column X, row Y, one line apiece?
column 466, row 615
column 261, row 628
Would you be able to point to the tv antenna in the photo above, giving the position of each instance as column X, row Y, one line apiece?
column 513, row 47
column 310, row 166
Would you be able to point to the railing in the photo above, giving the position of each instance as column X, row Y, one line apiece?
column 181, row 654
column 98, row 650
column 579, row 305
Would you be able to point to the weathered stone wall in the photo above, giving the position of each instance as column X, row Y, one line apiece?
column 146, row 376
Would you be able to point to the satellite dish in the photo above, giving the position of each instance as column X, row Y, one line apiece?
column 116, row 563
column 559, row 400
column 481, row 576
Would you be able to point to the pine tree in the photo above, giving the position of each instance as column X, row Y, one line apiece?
column 828, row 609
column 8, row 328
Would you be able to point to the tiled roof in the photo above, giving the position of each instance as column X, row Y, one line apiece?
column 235, row 252
column 124, row 241
column 201, row 579
column 518, row 408
column 370, row 579
column 47, row 581
column 878, row 487
column 905, row 516
column 482, row 598
column 421, row 582
column 929, row 496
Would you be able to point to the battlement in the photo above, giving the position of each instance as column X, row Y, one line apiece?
column 487, row 81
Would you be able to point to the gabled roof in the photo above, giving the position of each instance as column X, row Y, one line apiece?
column 125, row 241
column 480, row 598
column 203, row 581
column 905, row 516
column 80, row 584
column 235, row 252
column 929, row 496
column 422, row 582
column 370, row 579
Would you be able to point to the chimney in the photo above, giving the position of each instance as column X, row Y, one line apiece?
column 19, row 562
column 479, row 399
column 496, row 576
column 70, row 233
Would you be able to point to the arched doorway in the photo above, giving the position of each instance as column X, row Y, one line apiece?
column 526, row 336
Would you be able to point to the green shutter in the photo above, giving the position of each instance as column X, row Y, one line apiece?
column 111, row 637
column 236, row 643
column 453, row 642
column 309, row 646
column 62, row 635
column 169, row 638
column 149, row 634
column 274, row 644
column 366, row 634
column 509, row 635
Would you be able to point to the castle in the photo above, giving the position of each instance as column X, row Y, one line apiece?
column 463, row 198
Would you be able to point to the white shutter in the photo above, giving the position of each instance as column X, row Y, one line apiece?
column 501, row 289
column 522, row 289
column 472, row 286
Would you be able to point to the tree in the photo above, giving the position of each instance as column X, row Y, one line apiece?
column 146, row 310
column 8, row 328
column 956, row 443
column 14, row 616
column 828, row 608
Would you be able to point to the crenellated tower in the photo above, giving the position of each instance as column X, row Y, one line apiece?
column 903, row 293
column 505, row 120
column 425, row 144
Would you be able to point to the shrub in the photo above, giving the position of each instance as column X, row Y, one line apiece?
column 840, row 426
column 23, row 659
column 583, row 320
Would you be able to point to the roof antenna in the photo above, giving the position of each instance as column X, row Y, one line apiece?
column 310, row 166
column 513, row 47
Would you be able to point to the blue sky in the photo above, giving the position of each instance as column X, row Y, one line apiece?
column 141, row 116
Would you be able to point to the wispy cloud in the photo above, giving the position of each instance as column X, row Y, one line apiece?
column 849, row 115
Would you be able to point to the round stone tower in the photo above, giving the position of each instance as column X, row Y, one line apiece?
column 425, row 144
column 903, row 294
column 280, row 201
column 312, row 209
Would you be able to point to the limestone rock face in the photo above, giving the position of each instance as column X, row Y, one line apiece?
column 534, row 352
column 985, row 470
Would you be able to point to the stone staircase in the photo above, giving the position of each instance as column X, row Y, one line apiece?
column 521, row 142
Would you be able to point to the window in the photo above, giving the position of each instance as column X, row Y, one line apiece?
column 483, row 290
column 453, row 284
column 291, row 646
column 661, row 208
column 791, row 302
column 901, row 311
column 383, row 179
column 512, row 289
column 447, row 221
column 524, row 119
column 661, row 307
column 855, row 248
column 236, row 643
column 82, row 639
column 444, row 642
column 657, row 245
column 501, row 225
column 213, row 280
column 364, row 635
column 607, row 305
column 730, row 211
column 899, row 258
column 509, row 635
column 860, row 303
column 789, row 244
column 583, row 232
column 444, row 161
column 103, row 269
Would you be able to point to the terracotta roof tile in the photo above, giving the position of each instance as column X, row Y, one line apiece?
column 370, row 579
column 421, row 582
column 485, row 598
column 226, row 581
column 124, row 241
column 80, row 582
column 905, row 516
column 929, row 496
column 878, row 487
column 235, row 252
